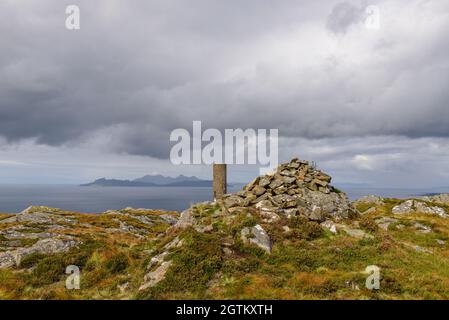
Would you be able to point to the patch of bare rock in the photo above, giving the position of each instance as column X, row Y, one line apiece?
column 45, row 246
column 416, row 206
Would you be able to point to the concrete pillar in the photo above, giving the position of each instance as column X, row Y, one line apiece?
column 219, row 182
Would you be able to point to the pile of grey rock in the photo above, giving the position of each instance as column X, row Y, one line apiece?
column 296, row 188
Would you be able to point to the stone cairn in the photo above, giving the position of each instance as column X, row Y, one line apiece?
column 296, row 188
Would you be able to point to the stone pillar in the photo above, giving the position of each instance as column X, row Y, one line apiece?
column 219, row 181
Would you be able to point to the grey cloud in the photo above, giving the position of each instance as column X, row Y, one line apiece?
column 135, row 72
column 344, row 15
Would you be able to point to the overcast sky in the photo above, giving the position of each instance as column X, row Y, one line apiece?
column 368, row 105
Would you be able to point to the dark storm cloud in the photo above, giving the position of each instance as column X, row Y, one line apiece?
column 134, row 72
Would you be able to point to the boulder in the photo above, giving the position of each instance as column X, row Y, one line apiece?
column 258, row 236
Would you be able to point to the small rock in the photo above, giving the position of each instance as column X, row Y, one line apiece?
column 264, row 181
column 265, row 205
column 422, row 228
column 258, row 190
column 269, row 217
column 276, row 183
column 124, row 287
column 233, row 201
column 385, row 222
column 355, row 233
column 329, row 225
column 227, row 251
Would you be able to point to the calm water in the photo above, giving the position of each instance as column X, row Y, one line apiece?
column 15, row 198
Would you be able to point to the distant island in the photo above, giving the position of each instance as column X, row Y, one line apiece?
column 152, row 181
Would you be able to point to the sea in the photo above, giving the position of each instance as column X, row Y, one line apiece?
column 15, row 198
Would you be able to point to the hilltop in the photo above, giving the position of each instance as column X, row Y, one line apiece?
column 287, row 235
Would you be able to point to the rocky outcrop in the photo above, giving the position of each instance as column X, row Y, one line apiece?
column 44, row 246
column 296, row 188
column 48, row 231
column 39, row 215
column 415, row 206
column 154, row 277
column 438, row 198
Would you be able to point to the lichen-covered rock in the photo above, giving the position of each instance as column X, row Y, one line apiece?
column 44, row 246
column 258, row 236
column 415, row 206
column 39, row 215
column 405, row 207
column 384, row 222
column 156, row 276
column 186, row 219
column 354, row 232
column 329, row 225
column 233, row 201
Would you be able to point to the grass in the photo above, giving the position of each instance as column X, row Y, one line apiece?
column 194, row 265
column 305, row 263
column 105, row 260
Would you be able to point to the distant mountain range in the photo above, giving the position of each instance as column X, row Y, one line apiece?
column 152, row 181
